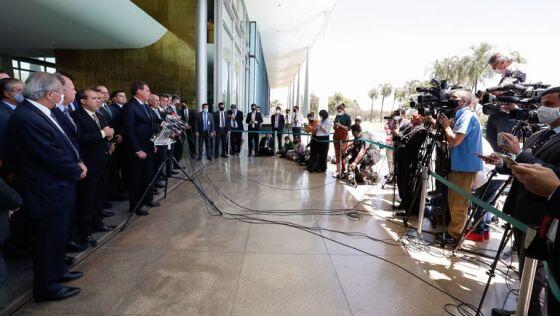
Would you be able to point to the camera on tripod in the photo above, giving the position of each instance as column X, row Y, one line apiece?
column 434, row 100
column 526, row 96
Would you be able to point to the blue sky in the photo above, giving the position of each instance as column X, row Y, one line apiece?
column 370, row 42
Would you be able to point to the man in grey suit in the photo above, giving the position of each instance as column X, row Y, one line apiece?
column 204, row 127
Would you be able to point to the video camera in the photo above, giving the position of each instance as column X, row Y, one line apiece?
column 394, row 116
column 434, row 100
column 526, row 95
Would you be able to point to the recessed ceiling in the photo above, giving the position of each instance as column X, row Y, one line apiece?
column 36, row 27
column 287, row 28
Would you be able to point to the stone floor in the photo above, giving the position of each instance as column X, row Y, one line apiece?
column 181, row 260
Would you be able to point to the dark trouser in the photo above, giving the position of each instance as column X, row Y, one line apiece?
column 189, row 135
column 178, row 151
column 235, row 140
column 220, row 140
column 322, row 150
column 51, row 236
column 278, row 133
column 297, row 132
column 204, row 142
column 140, row 175
column 160, row 156
column 88, row 205
column 115, row 185
column 20, row 230
column 253, row 140
column 486, row 193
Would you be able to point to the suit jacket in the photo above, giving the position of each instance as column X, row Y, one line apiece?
column 199, row 125
column 521, row 203
column 92, row 146
column 191, row 116
column 280, row 123
column 137, row 127
column 9, row 200
column 69, row 128
column 258, row 118
column 5, row 113
column 45, row 162
column 217, row 121
column 115, row 121
column 238, row 119
column 157, row 117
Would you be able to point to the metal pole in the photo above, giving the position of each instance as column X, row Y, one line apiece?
column 298, row 84
column 218, row 54
column 422, row 199
column 526, row 286
column 201, row 56
column 306, row 90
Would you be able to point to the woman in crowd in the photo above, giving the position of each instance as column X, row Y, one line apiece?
column 342, row 123
column 322, row 138
column 311, row 128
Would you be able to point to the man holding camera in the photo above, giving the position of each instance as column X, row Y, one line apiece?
column 464, row 138
column 508, row 68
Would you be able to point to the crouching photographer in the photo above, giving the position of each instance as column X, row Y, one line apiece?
column 464, row 138
column 363, row 156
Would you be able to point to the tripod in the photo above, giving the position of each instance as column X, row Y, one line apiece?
column 168, row 159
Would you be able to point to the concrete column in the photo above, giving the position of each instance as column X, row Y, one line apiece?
column 306, row 104
column 298, row 84
column 201, row 56
column 218, row 31
column 289, row 103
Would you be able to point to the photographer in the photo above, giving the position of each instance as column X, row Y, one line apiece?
column 543, row 182
column 363, row 156
column 407, row 159
column 464, row 138
column 508, row 68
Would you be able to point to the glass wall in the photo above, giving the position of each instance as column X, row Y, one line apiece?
column 238, row 78
column 23, row 67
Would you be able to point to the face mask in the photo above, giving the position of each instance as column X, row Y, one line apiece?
column 339, row 112
column 221, row 108
column 277, row 111
column 60, row 100
column 18, row 97
column 205, row 110
column 548, row 115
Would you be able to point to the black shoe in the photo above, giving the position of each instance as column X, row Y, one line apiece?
column 175, row 172
column 102, row 227
column 69, row 261
column 216, row 157
column 107, row 213
column 199, row 159
column 209, row 158
column 448, row 241
column 142, row 212
column 159, row 185
column 107, row 205
column 76, row 246
column 90, row 241
column 70, row 276
column 62, row 294
column 225, row 156
column 400, row 214
column 501, row 312
column 152, row 204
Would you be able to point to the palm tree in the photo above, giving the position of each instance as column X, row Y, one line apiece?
column 479, row 70
column 517, row 57
column 386, row 90
column 373, row 95
column 338, row 98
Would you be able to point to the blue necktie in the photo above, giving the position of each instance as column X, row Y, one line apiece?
column 205, row 122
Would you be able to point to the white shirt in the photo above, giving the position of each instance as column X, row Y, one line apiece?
column 327, row 124
column 12, row 106
column 233, row 121
column 296, row 119
column 222, row 118
column 92, row 114
column 253, row 118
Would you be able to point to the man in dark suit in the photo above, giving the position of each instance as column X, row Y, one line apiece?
column 204, row 127
column 116, row 184
column 47, row 166
column 158, row 116
column 94, row 135
column 11, row 90
column 254, row 121
column 108, row 114
column 178, row 145
column 541, row 148
column 222, row 128
column 63, row 111
column 10, row 201
column 235, row 118
column 188, row 116
column 277, row 122
column 138, row 130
